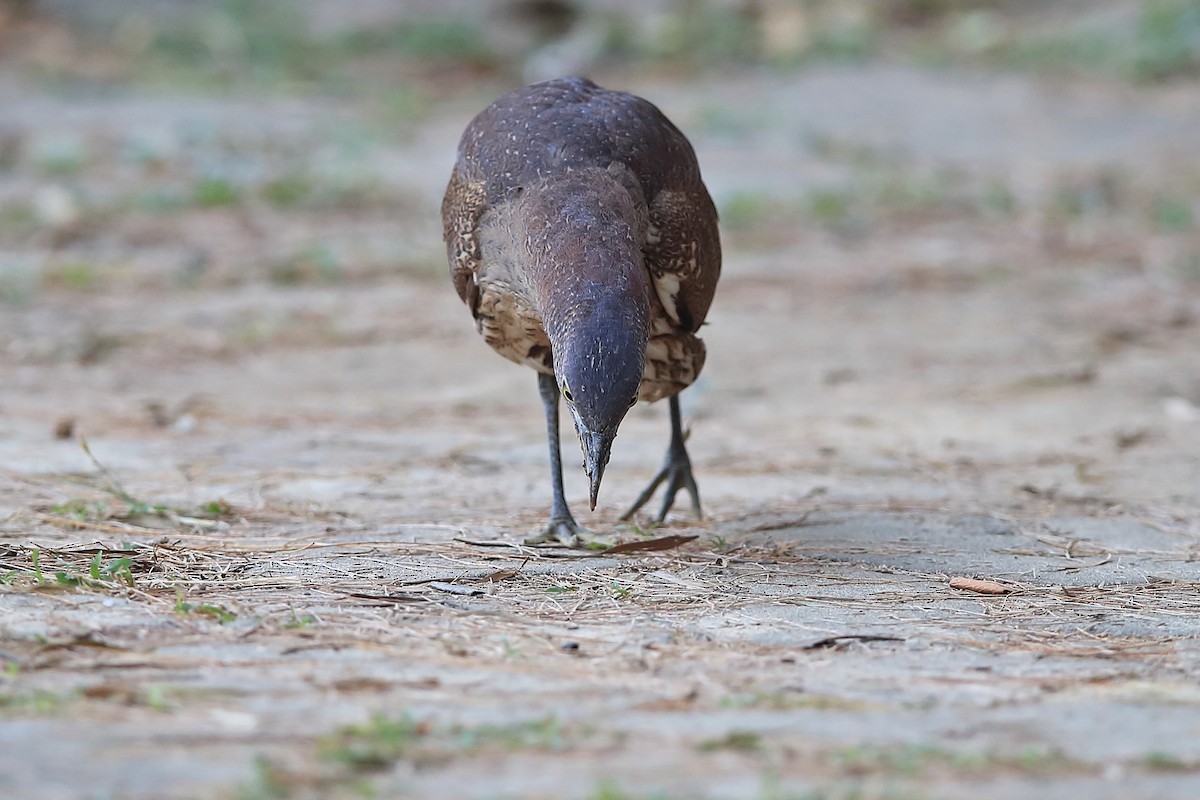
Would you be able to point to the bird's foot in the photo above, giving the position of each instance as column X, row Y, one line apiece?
column 569, row 533
column 677, row 472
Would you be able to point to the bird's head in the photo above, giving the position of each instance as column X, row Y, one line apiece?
column 598, row 362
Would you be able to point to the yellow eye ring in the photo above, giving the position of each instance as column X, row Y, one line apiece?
column 566, row 393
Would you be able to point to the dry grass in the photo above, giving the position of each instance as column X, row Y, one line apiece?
column 211, row 568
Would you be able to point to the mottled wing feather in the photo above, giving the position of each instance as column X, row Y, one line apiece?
column 683, row 254
column 463, row 205
column 683, row 245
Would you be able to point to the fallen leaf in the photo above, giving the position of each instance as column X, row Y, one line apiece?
column 486, row 542
column 390, row 599
column 64, row 428
column 1128, row 439
column 842, row 641
column 981, row 586
column 111, row 691
column 661, row 543
column 503, row 574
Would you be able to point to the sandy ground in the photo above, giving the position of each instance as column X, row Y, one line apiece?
column 299, row 572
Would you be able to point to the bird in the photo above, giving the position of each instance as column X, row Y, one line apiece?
column 582, row 238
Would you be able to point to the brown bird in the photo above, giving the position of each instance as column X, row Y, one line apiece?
column 584, row 242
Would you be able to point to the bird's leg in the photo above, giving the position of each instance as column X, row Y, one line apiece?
column 676, row 471
column 562, row 527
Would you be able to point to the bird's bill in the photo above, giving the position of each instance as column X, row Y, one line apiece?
column 596, row 447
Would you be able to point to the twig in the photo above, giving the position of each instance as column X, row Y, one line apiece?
column 842, row 641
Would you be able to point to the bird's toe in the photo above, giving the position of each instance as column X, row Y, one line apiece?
column 677, row 474
column 569, row 533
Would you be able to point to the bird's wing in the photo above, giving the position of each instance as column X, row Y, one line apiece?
column 683, row 247
column 683, row 253
column 463, row 205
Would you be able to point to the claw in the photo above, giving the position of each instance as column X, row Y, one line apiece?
column 678, row 475
column 676, row 471
column 559, row 531
column 569, row 533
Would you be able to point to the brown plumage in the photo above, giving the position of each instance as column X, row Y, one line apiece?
column 583, row 240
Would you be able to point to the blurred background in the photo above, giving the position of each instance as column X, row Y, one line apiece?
column 206, row 120
column 928, row 207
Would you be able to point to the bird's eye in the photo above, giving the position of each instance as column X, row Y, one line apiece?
column 633, row 401
column 566, row 393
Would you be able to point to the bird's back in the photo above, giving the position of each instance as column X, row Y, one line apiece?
column 545, row 129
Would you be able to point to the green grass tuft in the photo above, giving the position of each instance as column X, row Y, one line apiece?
column 215, row 192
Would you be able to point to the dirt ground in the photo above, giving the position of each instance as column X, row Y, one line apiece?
column 956, row 337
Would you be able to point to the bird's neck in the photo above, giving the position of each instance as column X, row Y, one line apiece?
column 585, row 242
column 592, row 277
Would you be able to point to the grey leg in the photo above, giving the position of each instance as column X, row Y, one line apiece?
column 562, row 527
column 676, row 471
